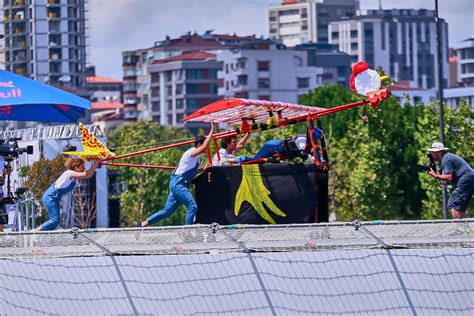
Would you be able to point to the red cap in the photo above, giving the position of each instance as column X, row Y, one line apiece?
column 357, row 69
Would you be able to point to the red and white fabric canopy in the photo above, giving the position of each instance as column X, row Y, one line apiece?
column 232, row 111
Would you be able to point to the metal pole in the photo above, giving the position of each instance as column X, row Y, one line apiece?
column 440, row 98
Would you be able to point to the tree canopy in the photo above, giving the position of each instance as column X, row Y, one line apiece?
column 147, row 189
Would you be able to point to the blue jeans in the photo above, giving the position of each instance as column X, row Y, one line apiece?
column 268, row 149
column 52, row 208
column 179, row 194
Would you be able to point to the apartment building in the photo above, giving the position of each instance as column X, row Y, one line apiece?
column 182, row 84
column 465, row 61
column 104, row 89
column 402, row 42
column 336, row 65
column 464, row 87
column 137, row 80
column 297, row 22
column 267, row 71
column 46, row 40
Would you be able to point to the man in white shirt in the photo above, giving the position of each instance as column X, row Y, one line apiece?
column 180, row 181
column 229, row 146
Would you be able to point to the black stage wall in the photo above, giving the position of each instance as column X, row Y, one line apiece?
column 262, row 194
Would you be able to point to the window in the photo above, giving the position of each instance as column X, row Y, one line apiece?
column 179, row 89
column 179, row 104
column 242, row 95
column 193, row 74
column 242, row 80
column 263, row 65
column 242, row 62
column 263, row 83
column 354, row 34
column 303, row 82
column 264, row 97
column 192, row 88
column 155, row 106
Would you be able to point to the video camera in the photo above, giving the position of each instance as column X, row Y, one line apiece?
column 430, row 165
column 9, row 148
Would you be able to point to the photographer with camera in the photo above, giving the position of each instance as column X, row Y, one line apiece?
column 9, row 151
column 64, row 184
column 457, row 171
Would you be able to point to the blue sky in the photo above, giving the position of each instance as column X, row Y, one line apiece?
column 119, row 25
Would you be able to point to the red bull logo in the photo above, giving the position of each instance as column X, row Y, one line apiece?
column 6, row 110
column 11, row 91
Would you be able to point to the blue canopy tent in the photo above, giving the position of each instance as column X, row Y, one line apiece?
column 23, row 99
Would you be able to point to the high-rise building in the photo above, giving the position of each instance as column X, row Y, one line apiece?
column 401, row 42
column 46, row 40
column 297, row 22
column 136, row 79
column 182, row 84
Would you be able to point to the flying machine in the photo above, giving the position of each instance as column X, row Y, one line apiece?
column 260, row 193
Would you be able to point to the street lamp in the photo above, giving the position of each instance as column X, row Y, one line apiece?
column 440, row 98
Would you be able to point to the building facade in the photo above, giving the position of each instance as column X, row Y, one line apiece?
column 46, row 40
column 182, row 84
column 297, row 22
column 104, row 89
column 465, row 61
column 137, row 80
column 401, row 42
column 266, row 74
column 407, row 94
column 336, row 65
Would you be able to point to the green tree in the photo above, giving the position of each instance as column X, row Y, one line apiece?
column 147, row 188
column 373, row 164
column 42, row 175
column 335, row 125
column 459, row 137
column 374, row 174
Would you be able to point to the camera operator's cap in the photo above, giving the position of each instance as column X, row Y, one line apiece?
column 437, row 147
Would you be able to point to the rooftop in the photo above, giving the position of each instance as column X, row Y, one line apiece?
column 97, row 79
column 405, row 86
column 192, row 56
column 106, row 105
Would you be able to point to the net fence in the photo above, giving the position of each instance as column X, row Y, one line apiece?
column 422, row 267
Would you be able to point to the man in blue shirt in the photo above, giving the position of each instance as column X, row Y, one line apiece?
column 457, row 171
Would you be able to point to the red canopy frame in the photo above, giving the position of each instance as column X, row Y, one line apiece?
column 259, row 113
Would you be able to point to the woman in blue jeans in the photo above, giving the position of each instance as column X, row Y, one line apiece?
column 64, row 184
column 180, row 181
